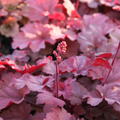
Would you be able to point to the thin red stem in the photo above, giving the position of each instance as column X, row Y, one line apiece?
column 112, row 62
column 77, row 5
column 56, row 80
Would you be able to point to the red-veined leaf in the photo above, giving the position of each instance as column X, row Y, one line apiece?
column 102, row 62
column 105, row 55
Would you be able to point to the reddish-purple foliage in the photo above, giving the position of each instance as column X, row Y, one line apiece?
column 59, row 60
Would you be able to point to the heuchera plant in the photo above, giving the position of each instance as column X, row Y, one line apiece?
column 59, row 60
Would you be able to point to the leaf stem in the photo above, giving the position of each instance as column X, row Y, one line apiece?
column 113, row 61
column 56, row 79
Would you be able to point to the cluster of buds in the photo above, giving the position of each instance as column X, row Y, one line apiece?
column 61, row 49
